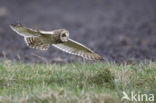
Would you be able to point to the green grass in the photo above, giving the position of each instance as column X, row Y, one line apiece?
column 74, row 82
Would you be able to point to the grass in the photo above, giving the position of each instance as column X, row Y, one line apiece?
column 74, row 82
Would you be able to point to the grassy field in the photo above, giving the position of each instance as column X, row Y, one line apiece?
column 74, row 82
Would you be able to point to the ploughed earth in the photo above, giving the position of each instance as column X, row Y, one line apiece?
column 120, row 31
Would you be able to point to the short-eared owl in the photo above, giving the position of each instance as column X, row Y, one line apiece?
column 59, row 38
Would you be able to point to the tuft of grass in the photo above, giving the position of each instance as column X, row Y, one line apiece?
column 74, row 82
column 103, row 78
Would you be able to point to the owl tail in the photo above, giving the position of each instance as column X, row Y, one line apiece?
column 35, row 42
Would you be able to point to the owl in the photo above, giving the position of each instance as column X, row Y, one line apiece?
column 59, row 38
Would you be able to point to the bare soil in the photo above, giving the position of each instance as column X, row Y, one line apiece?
column 119, row 30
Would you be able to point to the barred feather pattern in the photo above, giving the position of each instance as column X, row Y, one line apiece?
column 75, row 48
column 86, row 55
column 35, row 42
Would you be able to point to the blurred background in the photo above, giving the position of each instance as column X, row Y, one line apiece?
column 119, row 30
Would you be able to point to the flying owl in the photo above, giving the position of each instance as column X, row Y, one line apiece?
column 59, row 38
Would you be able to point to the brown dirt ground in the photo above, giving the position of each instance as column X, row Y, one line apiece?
column 121, row 30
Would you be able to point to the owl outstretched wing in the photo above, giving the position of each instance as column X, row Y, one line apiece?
column 31, row 37
column 36, row 43
column 23, row 31
column 78, row 49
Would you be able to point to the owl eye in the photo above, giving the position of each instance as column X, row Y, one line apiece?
column 64, row 35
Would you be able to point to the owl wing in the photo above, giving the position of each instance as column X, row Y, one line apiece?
column 31, row 37
column 35, row 42
column 78, row 49
column 23, row 31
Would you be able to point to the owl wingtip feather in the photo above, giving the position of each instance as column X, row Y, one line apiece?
column 14, row 25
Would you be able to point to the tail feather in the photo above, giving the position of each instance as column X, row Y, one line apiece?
column 35, row 42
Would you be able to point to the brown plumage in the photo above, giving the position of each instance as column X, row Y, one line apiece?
column 42, row 40
column 35, row 42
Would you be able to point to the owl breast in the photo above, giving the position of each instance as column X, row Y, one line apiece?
column 51, row 39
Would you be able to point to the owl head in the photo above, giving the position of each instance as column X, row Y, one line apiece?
column 64, row 35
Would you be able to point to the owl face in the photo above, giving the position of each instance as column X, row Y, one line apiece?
column 64, row 35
